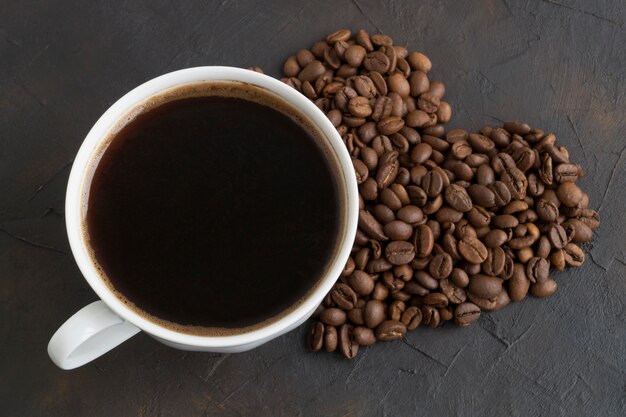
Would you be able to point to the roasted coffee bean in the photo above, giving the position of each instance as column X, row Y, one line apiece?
column 495, row 262
column 546, row 210
column 459, row 277
column 557, row 260
column 411, row 318
column 359, row 107
column 485, row 286
column 569, row 194
column 440, row 266
column 343, row 296
column 428, row 102
column 374, row 313
column 524, row 158
column 381, row 292
column 437, row 88
column 430, row 316
column 418, row 83
column 363, row 39
column 458, row 198
column 425, row 280
column 364, row 336
column 574, row 255
column 369, row 189
column 557, row 236
column 333, row 316
column 525, row 254
column 398, row 230
column 347, row 345
column 361, row 282
column 419, row 62
column 466, row 313
column 401, row 193
column 311, row 71
column 517, row 127
column 448, row 215
column 390, row 330
column 502, row 300
column 432, row 183
column 340, row 35
column 578, row 230
column 376, row 61
column 543, row 289
column 487, row 304
column 446, row 313
column 436, row 299
column 519, row 283
column 454, row 293
column 330, row 339
column 436, row 143
column 444, row 112
column 537, row 270
column 403, row 178
column 479, row 216
column 480, row 143
column 481, row 195
column 516, row 182
column 505, row 221
column 450, row 245
column 400, row 252
column 543, row 247
column 390, row 199
column 361, row 170
column 388, row 166
column 398, row 84
column 348, row 268
column 354, row 55
column 291, row 67
column 423, row 240
column 404, row 272
column 590, row 217
column 485, row 175
column 383, row 214
column 502, row 195
column 461, row 150
column 566, row 172
column 389, row 125
column 315, row 338
column 546, row 173
column 396, row 309
column 535, row 186
column 473, row 250
column 371, row 226
column 410, row 214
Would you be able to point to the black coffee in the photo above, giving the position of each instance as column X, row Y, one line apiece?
column 214, row 211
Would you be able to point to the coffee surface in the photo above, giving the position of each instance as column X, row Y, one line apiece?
column 216, row 212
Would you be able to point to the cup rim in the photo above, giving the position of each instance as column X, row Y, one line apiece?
column 140, row 94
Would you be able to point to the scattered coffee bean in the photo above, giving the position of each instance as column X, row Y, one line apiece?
column 347, row 345
column 466, row 313
column 390, row 330
column 450, row 222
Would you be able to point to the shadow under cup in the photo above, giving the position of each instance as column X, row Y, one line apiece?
column 214, row 208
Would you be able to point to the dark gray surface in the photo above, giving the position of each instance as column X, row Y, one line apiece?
column 558, row 64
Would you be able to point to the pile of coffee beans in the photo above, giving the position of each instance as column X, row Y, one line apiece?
column 450, row 223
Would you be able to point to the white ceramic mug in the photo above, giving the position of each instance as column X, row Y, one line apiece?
column 104, row 324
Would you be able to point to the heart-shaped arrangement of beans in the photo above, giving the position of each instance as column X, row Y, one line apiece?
column 450, row 223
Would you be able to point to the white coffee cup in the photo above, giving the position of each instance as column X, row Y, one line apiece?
column 104, row 324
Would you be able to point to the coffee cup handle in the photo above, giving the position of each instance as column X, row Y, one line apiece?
column 88, row 334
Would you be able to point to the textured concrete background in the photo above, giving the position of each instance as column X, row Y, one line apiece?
column 558, row 64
